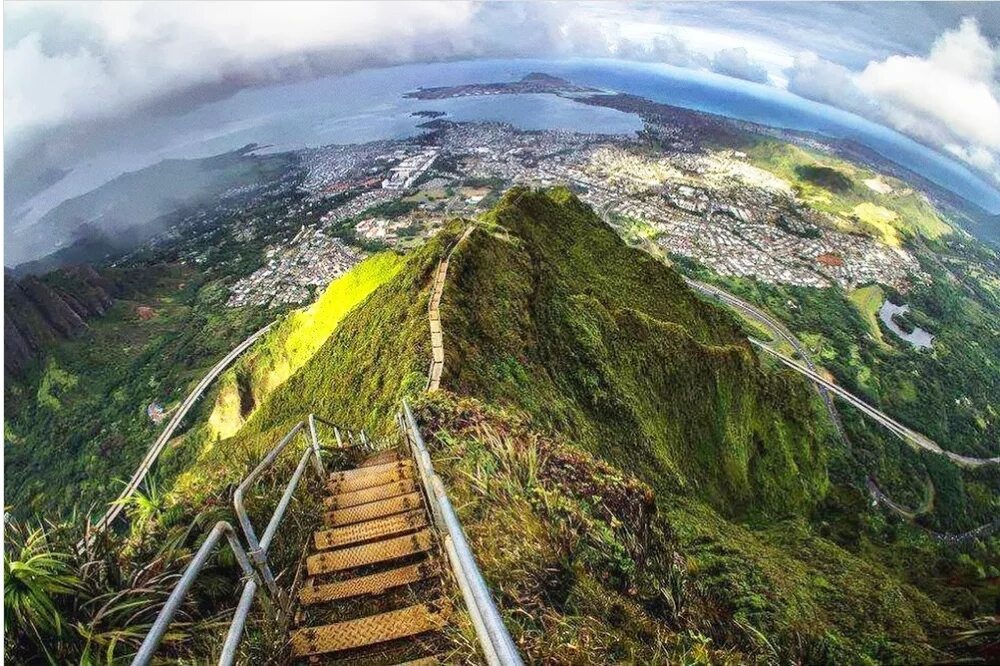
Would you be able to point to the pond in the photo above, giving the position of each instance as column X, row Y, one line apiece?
column 918, row 337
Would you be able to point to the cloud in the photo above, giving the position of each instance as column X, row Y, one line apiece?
column 736, row 62
column 949, row 98
column 814, row 78
column 81, row 62
column 668, row 49
column 70, row 68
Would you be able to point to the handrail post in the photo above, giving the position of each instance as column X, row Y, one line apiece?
column 496, row 641
column 317, row 460
column 257, row 553
column 152, row 641
column 235, row 633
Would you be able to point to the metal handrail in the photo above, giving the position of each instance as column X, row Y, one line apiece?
column 253, row 560
column 258, row 547
column 159, row 628
column 153, row 453
column 497, row 644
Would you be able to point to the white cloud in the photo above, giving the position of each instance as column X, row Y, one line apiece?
column 817, row 79
column 948, row 97
column 137, row 53
column 736, row 62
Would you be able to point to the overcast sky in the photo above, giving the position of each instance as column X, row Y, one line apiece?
column 931, row 71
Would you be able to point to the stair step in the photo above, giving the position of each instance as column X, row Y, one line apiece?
column 369, row 553
column 371, row 529
column 381, row 458
column 393, row 625
column 367, row 471
column 371, row 480
column 366, row 495
column 372, row 510
column 371, row 584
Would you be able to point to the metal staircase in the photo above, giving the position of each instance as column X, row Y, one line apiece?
column 378, row 569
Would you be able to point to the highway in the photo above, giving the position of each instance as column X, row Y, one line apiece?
column 153, row 453
column 778, row 330
column 910, row 436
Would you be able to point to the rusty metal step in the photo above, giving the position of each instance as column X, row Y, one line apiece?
column 371, row 584
column 371, row 480
column 367, row 471
column 373, row 510
column 373, row 494
column 371, row 630
column 338, row 537
column 369, row 553
column 382, row 458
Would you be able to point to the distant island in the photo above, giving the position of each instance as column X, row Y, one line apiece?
column 535, row 82
column 428, row 114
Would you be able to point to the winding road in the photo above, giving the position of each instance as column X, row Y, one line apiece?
column 827, row 387
column 778, row 330
column 116, row 507
column 912, row 437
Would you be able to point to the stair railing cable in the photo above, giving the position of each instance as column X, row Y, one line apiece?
column 496, row 642
column 252, row 560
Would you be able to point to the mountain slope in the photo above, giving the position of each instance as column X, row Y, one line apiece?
column 40, row 311
column 549, row 311
column 636, row 486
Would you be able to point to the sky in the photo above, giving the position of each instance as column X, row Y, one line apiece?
column 77, row 73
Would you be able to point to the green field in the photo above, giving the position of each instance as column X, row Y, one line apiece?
column 837, row 187
column 868, row 301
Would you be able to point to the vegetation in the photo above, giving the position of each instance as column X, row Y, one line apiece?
column 599, row 341
column 868, row 300
column 638, row 486
column 76, row 423
column 857, row 199
column 293, row 342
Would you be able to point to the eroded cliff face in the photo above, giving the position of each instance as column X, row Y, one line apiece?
column 39, row 311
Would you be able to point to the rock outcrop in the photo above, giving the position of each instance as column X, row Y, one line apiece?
column 39, row 311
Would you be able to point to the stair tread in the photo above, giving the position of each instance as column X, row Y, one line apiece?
column 409, row 621
column 337, row 537
column 372, row 510
column 383, row 457
column 371, row 584
column 387, row 490
column 369, row 553
column 371, row 480
column 368, row 471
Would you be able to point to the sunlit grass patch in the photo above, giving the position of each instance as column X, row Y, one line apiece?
column 868, row 300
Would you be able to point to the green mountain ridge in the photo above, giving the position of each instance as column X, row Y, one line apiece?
column 606, row 344
column 576, row 369
column 638, row 486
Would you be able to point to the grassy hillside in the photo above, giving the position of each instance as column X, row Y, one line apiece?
column 76, row 423
column 591, row 566
column 857, row 199
column 636, row 486
column 377, row 353
column 549, row 311
column 293, row 342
